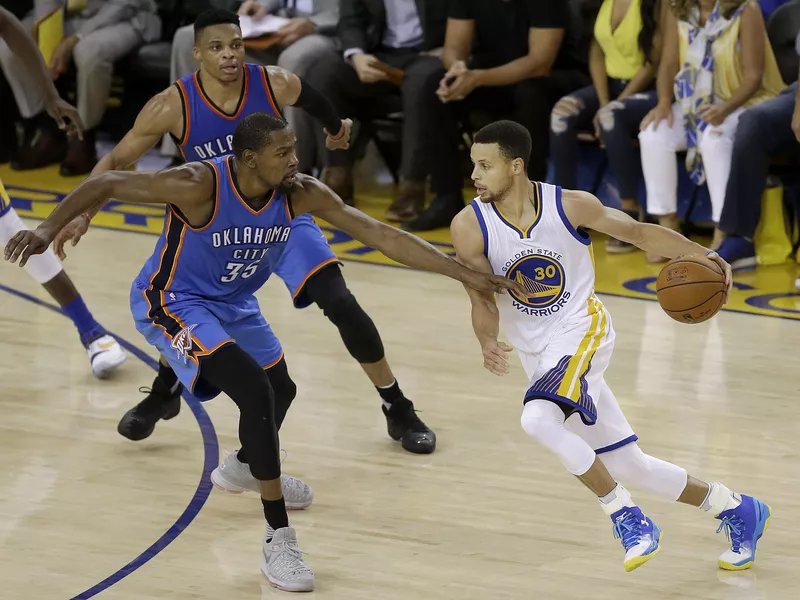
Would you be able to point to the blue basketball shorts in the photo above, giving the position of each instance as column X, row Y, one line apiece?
column 185, row 328
column 306, row 252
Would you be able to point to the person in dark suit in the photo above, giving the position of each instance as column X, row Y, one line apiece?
column 403, row 34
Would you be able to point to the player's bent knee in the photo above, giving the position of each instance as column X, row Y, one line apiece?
column 540, row 418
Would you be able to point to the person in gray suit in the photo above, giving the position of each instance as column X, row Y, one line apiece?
column 309, row 34
column 97, row 33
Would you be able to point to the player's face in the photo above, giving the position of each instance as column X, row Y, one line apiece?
column 493, row 174
column 277, row 162
column 220, row 52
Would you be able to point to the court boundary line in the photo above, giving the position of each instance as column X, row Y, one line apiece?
column 204, row 487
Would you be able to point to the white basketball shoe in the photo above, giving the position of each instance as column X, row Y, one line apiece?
column 235, row 477
column 105, row 355
column 282, row 561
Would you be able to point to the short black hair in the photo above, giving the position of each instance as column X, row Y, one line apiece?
column 514, row 140
column 214, row 16
column 255, row 131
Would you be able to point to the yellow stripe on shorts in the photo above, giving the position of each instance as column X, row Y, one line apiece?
column 570, row 385
column 4, row 199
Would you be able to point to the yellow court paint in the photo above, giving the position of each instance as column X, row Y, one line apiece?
column 766, row 291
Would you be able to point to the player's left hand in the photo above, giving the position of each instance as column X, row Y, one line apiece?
column 726, row 268
column 26, row 243
column 484, row 282
column 340, row 141
column 65, row 115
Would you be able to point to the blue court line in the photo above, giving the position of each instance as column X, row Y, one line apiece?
column 211, row 456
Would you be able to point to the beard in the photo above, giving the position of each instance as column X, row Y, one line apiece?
column 499, row 195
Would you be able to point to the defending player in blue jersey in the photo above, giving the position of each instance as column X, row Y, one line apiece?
column 200, row 112
column 228, row 222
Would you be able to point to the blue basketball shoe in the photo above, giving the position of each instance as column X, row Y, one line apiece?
column 744, row 526
column 639, row 536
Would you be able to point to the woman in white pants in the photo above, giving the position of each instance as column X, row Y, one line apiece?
column 701, row 102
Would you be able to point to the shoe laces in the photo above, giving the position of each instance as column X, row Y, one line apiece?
column 628, row 528
column 152, row 401
column 293, row 564
column 407, row 416
column 292, row 484
column 734, row 531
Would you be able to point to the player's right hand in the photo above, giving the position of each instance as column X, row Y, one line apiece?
column 66, row 116
column 73, row 232
column 26, row 243
column 495, row 357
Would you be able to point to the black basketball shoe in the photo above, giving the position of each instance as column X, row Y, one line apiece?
column 161, row 403
column 406, row 427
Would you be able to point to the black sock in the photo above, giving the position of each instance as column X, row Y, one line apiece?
column 391, row 393
column 167, row 375
column 241, row 456
column 275, row 513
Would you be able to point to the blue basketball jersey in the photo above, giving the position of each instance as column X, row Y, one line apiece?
column 229, row 257
column 207, row 131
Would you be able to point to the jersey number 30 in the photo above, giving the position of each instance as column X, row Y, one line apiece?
column 237, row 269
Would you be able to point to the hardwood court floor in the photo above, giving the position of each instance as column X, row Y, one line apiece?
column 488, row 516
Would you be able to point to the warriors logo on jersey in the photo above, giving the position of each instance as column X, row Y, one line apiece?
column 540, row 272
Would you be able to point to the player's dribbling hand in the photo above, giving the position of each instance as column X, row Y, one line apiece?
column 340, row 141
column 72, row 233
column 726, row 268
column 24, row 244
column 495, row 357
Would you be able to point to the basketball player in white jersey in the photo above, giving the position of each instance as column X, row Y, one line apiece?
column 536, row 233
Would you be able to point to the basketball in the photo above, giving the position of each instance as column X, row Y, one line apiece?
column 691, row 289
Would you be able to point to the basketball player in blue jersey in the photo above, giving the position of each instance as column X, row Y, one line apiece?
column 200, row 112
column 536, row 233
column 105, row 354
column 228, row 223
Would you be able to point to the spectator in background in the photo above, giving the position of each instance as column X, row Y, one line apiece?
column 623, row 52
column 765, row 130
column 728, row 65
column 504, row 58
column 308, row 36
column 374, row 34
column 97, row 34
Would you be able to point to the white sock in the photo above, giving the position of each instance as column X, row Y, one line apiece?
column 616, row 500
column 720, row 499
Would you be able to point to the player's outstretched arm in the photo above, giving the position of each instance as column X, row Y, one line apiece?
column 291, row 90
column 156, row 118
column 584, row 210
column 316, row 198
column 468, row 242
column 190, row 187
column 13, row 33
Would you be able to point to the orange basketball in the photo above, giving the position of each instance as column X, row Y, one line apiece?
column 691, row 289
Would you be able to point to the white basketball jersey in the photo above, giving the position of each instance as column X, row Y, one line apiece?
column 551, row 259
